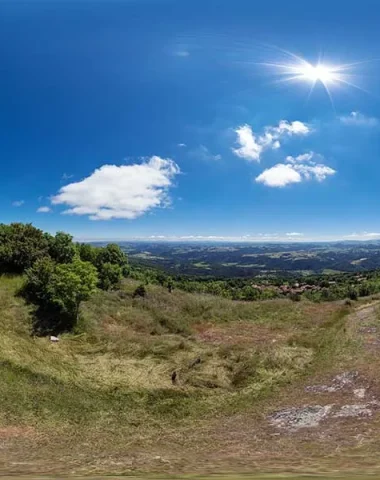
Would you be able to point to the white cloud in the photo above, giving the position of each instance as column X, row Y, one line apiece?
column 297, row 169
column 279, row 176
column 181, row 145
column 294, row 234
column 66, row 176
column 360, row 120
column 305, row 157
column 293, row 128
column 18, row 203
column 126, row 191
column 249, row 148
column 252, row 146
column 317, row 171
column 44, row 210
column 203, row 153
column 363, row 235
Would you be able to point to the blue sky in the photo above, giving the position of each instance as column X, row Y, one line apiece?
column 164, row 119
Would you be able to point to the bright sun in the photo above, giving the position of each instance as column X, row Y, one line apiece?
column 293, row 68
column 318, row 72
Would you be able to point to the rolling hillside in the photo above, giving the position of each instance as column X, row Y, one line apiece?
column 104, row 398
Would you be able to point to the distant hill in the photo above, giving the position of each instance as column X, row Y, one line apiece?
column 250, row 260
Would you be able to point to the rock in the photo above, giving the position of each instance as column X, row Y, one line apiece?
column 346, row 379
column 340, row 382
column 353, row 411
column 360, row 392
column 310, row 416
column 303, row 417
column 54, row 339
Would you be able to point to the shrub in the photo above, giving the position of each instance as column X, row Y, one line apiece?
column 140, row 292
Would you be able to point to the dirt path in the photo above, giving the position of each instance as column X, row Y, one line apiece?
column 365, row 322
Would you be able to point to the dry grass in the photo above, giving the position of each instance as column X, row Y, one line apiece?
column 107, row 387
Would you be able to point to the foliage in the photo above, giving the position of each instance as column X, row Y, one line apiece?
column 58, row 290
column 62, row 249
column 109, row 275
column 113, row 254
column 88, row 253
column 71, row 284
column 140, row 292
column 20, row 246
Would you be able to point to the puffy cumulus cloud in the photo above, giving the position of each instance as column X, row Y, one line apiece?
column 204, row 154
column 18, row 203
column 279, row 176
column 292, row 128
column 297, row 169
column 359, row 120
column 44, row 210
column 126, row 191
column 251, row 146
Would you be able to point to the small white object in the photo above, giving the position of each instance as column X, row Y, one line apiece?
column 54, row 339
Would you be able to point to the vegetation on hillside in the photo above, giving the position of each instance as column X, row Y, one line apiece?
column 143, row 369
column 59, row 274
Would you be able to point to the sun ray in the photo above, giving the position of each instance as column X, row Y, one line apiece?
column 293, row 68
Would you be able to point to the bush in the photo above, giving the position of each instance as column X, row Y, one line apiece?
column 109, row 275
column 140, row 292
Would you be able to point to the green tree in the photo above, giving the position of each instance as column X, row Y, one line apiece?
column 62, row 249
column 71, row 284
column 20, row 246
column 109, row 275
column 38, row 281
column 88, row 253
column 112, row 253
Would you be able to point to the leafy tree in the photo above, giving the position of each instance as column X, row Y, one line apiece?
column 112, row 253
column 58, row 290
column 88, row 253
column 109, row 275
column 62, row 249
column 38, row 281
column 20, row 246
column 71, row 284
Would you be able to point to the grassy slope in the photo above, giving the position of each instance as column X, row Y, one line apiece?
column 107, row 388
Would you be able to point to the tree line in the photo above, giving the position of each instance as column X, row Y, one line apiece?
column 59, row 273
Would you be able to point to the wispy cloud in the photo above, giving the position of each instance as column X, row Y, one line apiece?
column 363, row 236
column 181, row 145
column 44, row 210
column 126, row 191
column 18, row 203
column 252, row 146
column 295, row 170
column 203, row 153
column 66, row 176
column 258, row 237
column 360, row 120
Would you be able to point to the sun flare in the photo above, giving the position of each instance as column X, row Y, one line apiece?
column 318, row 72
column 291, row 68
